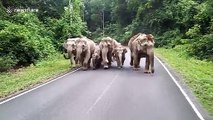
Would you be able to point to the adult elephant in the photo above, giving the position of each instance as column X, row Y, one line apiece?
column 85, row 49
column 70, row 46
column 107, row 46
column 119, row 55
column 141, row 45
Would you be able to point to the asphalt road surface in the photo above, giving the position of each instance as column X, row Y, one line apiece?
column 113, row 94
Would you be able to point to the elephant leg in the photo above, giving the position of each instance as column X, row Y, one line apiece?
column 131, row 60
column 139, row 60
column 80, row 61
column 65, row 56
column 123, row 59
column 147, row 62
column 150, row 57
column 118, row 63
column 86, row 61
column 135, row 62
column 76, row 61
column 72, row 60
column 98, row 64
column 105, row 60
column 69, row 57
column 152, row 63
column 89, row 62
column 109, row 60
column 85, row 65
column 92, row 63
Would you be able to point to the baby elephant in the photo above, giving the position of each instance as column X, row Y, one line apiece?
column 119, row 55
column 96, row 58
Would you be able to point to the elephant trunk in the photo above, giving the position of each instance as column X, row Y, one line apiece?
column 104, row 57
column 93, row 62
column 78, row 56
column 120, row 60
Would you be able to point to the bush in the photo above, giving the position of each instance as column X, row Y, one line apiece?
column 7, row 62
column 202, row 48
column 169, row 39
column 27, row 40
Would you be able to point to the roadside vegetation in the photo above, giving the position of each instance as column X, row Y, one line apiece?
column 25, row 78
column 196, row 73
column 28, row 37
column 31, row 42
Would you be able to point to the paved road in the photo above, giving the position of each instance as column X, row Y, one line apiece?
column 112, row 94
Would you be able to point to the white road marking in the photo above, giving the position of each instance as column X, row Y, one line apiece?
column 183, row 92
column 14, row 97
column 102, row 94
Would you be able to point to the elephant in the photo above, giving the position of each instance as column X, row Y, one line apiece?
column 70, row 47
column 119, row 55
column 107, row 46
column 85, row 49
column 96, row 58
column 142, row 45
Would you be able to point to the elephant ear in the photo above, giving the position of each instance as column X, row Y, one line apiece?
column 65, row 45
column 151, row 38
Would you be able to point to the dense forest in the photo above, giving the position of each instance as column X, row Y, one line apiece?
column 174, row 23
column 29, row 36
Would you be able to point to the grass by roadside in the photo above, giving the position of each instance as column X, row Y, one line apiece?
column 24, row 78
column 198, row 75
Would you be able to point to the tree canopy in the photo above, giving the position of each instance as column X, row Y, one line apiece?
column 173, row 22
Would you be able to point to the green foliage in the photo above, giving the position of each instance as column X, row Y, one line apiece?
column 202, row 48
column 194, row 32
column 3, row 13
column 7, row 62
column 169, row 39
column 27, row 37
column 67, row 26
column 50, row 8
column 27, row 40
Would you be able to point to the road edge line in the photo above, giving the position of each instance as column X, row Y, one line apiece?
column 37, row 87
column 182, row 91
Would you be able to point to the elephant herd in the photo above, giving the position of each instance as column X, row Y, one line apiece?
column 86, row 53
